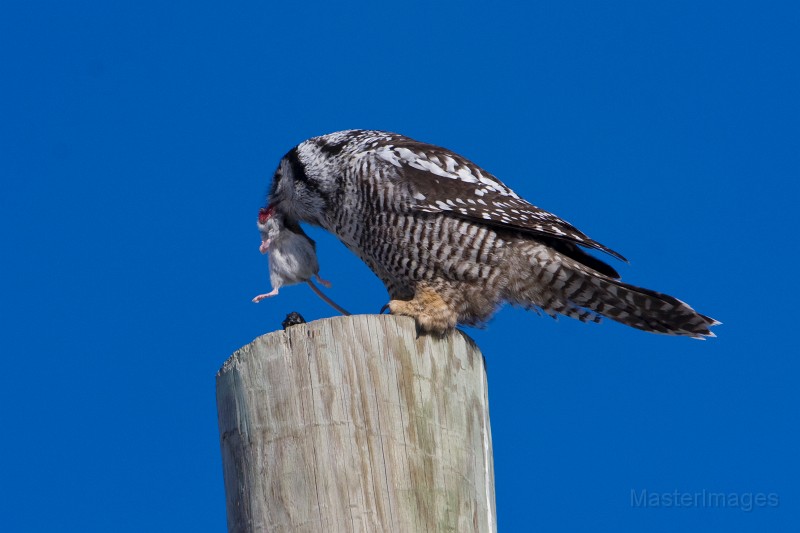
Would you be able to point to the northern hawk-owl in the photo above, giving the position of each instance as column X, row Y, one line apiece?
column 451, row 242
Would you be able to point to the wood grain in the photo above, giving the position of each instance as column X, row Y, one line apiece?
column 356, row 424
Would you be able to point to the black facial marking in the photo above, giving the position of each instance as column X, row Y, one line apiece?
column 298, row 169
column 276, row 178
column 299, row 173
column 332, row 149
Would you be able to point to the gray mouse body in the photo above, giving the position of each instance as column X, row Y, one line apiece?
column 292, row 255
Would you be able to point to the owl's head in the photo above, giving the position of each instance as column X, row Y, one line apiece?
column 303, row 184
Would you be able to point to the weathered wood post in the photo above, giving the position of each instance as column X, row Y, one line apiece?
column 356, row 424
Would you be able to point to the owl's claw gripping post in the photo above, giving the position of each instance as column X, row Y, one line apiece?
column 428, row 309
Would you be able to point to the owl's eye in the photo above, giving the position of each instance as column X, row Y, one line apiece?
column 264, row 213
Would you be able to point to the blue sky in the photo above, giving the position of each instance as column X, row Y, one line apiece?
column 138, row 139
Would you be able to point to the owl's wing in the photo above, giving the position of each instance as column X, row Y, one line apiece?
column 442, row 181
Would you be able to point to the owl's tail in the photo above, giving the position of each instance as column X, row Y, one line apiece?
column 644, row 309
column 577, row 291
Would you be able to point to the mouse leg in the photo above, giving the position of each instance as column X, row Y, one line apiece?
column 265, row 296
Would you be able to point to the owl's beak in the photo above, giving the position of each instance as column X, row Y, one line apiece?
column 264, row 248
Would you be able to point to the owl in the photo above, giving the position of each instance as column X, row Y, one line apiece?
column 452, row 243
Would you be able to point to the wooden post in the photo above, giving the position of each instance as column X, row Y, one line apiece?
column 356, row 424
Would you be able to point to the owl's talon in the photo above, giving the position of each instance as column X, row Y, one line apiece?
column 384, row 308
column 428, row 309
